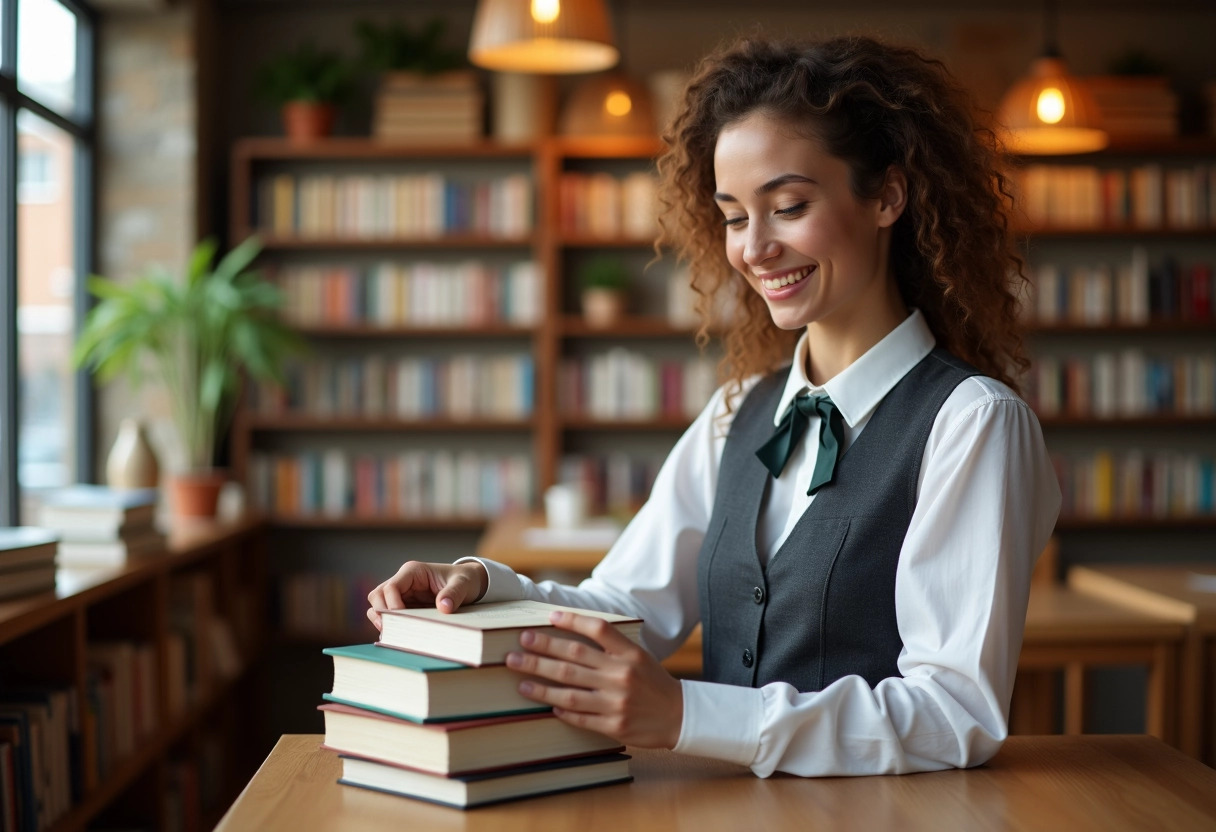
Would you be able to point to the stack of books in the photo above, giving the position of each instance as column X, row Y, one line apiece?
column 432, row 712
column 101, row 526
column 27, row 561
column 429, row 109
column 1134, row 107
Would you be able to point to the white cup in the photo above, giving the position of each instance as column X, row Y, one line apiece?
column 565, row 507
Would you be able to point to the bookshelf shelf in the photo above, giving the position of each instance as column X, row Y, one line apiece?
column 1164, row 420
column 378, row 244
column 419, row 524
column 1127, row 232
column 1160, row 327
column 356, row 148
column 633, row 327
column 591, row 241
column 399, row 332
column 1146, row 524
column 1166, row 146
column 576, row 423
column 355, row 423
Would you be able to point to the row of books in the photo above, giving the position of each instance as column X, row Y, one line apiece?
column 603, row 205
column 323, row 603
column 42, row 756
column 1144, row 196
column 1130, row 383
column 27, row 561
column 432, row 712
column 122, row 700
column 1132, row 292
column 625, row 384
column 386, row 206
column 615, row 484
column 389, row 294
column 455, row 387
column 1136, row 484
column 414, row 484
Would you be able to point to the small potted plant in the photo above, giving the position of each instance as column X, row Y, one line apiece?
column 306, row 84
column 604, row 283
column 199, row 337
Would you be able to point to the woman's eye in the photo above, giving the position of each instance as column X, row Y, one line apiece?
column 730, row 222
column 792, row 210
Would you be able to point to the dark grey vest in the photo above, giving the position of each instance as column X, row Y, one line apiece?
column 824, row 606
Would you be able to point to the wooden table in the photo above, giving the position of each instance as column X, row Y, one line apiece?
column 1099, row 783
column 1171, row 591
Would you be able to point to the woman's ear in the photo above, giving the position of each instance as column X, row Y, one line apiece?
column 893, row 198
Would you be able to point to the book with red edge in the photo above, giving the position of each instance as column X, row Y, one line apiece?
column 460, row 747
column 468, row 791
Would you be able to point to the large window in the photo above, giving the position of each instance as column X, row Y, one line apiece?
column 46, row 175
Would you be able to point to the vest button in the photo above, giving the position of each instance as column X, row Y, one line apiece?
column 758, row 595
column 747, row 658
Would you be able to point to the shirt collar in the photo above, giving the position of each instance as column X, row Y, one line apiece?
column 857, row 389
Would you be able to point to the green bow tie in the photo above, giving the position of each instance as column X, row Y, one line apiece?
column 775, row 453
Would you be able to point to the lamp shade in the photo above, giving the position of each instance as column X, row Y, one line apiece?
column 1049, row 112
column 544, row 36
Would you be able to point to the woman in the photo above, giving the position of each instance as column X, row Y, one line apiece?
column 856, row 531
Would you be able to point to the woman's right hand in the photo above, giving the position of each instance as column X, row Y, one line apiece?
column 418, row 584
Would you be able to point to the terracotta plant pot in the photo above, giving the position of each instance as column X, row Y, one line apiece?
column 196, row 493
column 307, row 121
column 602, row 307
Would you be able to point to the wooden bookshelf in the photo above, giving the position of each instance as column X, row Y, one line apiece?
column 1173, row 523
column 378, row 244
column 358, row 522
column 670, row 423
column 1124, row 231
column 1155, row 327
column 1162, row 420
column 370, row 331
column 299, row 422
column 44, row 640
column 574, row 326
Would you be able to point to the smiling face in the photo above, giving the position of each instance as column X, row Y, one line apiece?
column 795, row 230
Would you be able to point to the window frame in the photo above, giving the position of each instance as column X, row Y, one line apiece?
column 81, row 125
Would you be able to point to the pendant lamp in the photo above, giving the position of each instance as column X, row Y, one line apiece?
column 542, row 36
column 1049, row 112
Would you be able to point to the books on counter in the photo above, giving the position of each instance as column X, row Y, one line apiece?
column 460, row 747
column 421, row 688
column 102, row 526
column 27, row 561
column 481, row 634
column 97, row 510
column 471, row 790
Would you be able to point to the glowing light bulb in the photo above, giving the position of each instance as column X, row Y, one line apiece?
column 1050, row 106
column 618, row 103
column 546, row 11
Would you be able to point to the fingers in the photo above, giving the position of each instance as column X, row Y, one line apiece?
column 596, row 629
column 456, row 590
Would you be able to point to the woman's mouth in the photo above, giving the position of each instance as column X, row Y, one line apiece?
column 776, row 284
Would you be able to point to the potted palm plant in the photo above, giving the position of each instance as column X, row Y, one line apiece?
column 198, row 337
column 306, row 84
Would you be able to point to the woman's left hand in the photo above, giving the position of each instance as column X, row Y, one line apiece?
column 621, row 690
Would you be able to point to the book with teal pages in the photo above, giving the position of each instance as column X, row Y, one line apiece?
column 421, row 688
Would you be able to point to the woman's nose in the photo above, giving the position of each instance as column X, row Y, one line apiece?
column 760, row 244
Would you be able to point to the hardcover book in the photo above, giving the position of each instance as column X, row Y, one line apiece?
column 421, row 688
column 462, row 747
column 482, row 634
column 467, row 791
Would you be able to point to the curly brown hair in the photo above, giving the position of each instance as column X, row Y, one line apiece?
column 873, row 105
